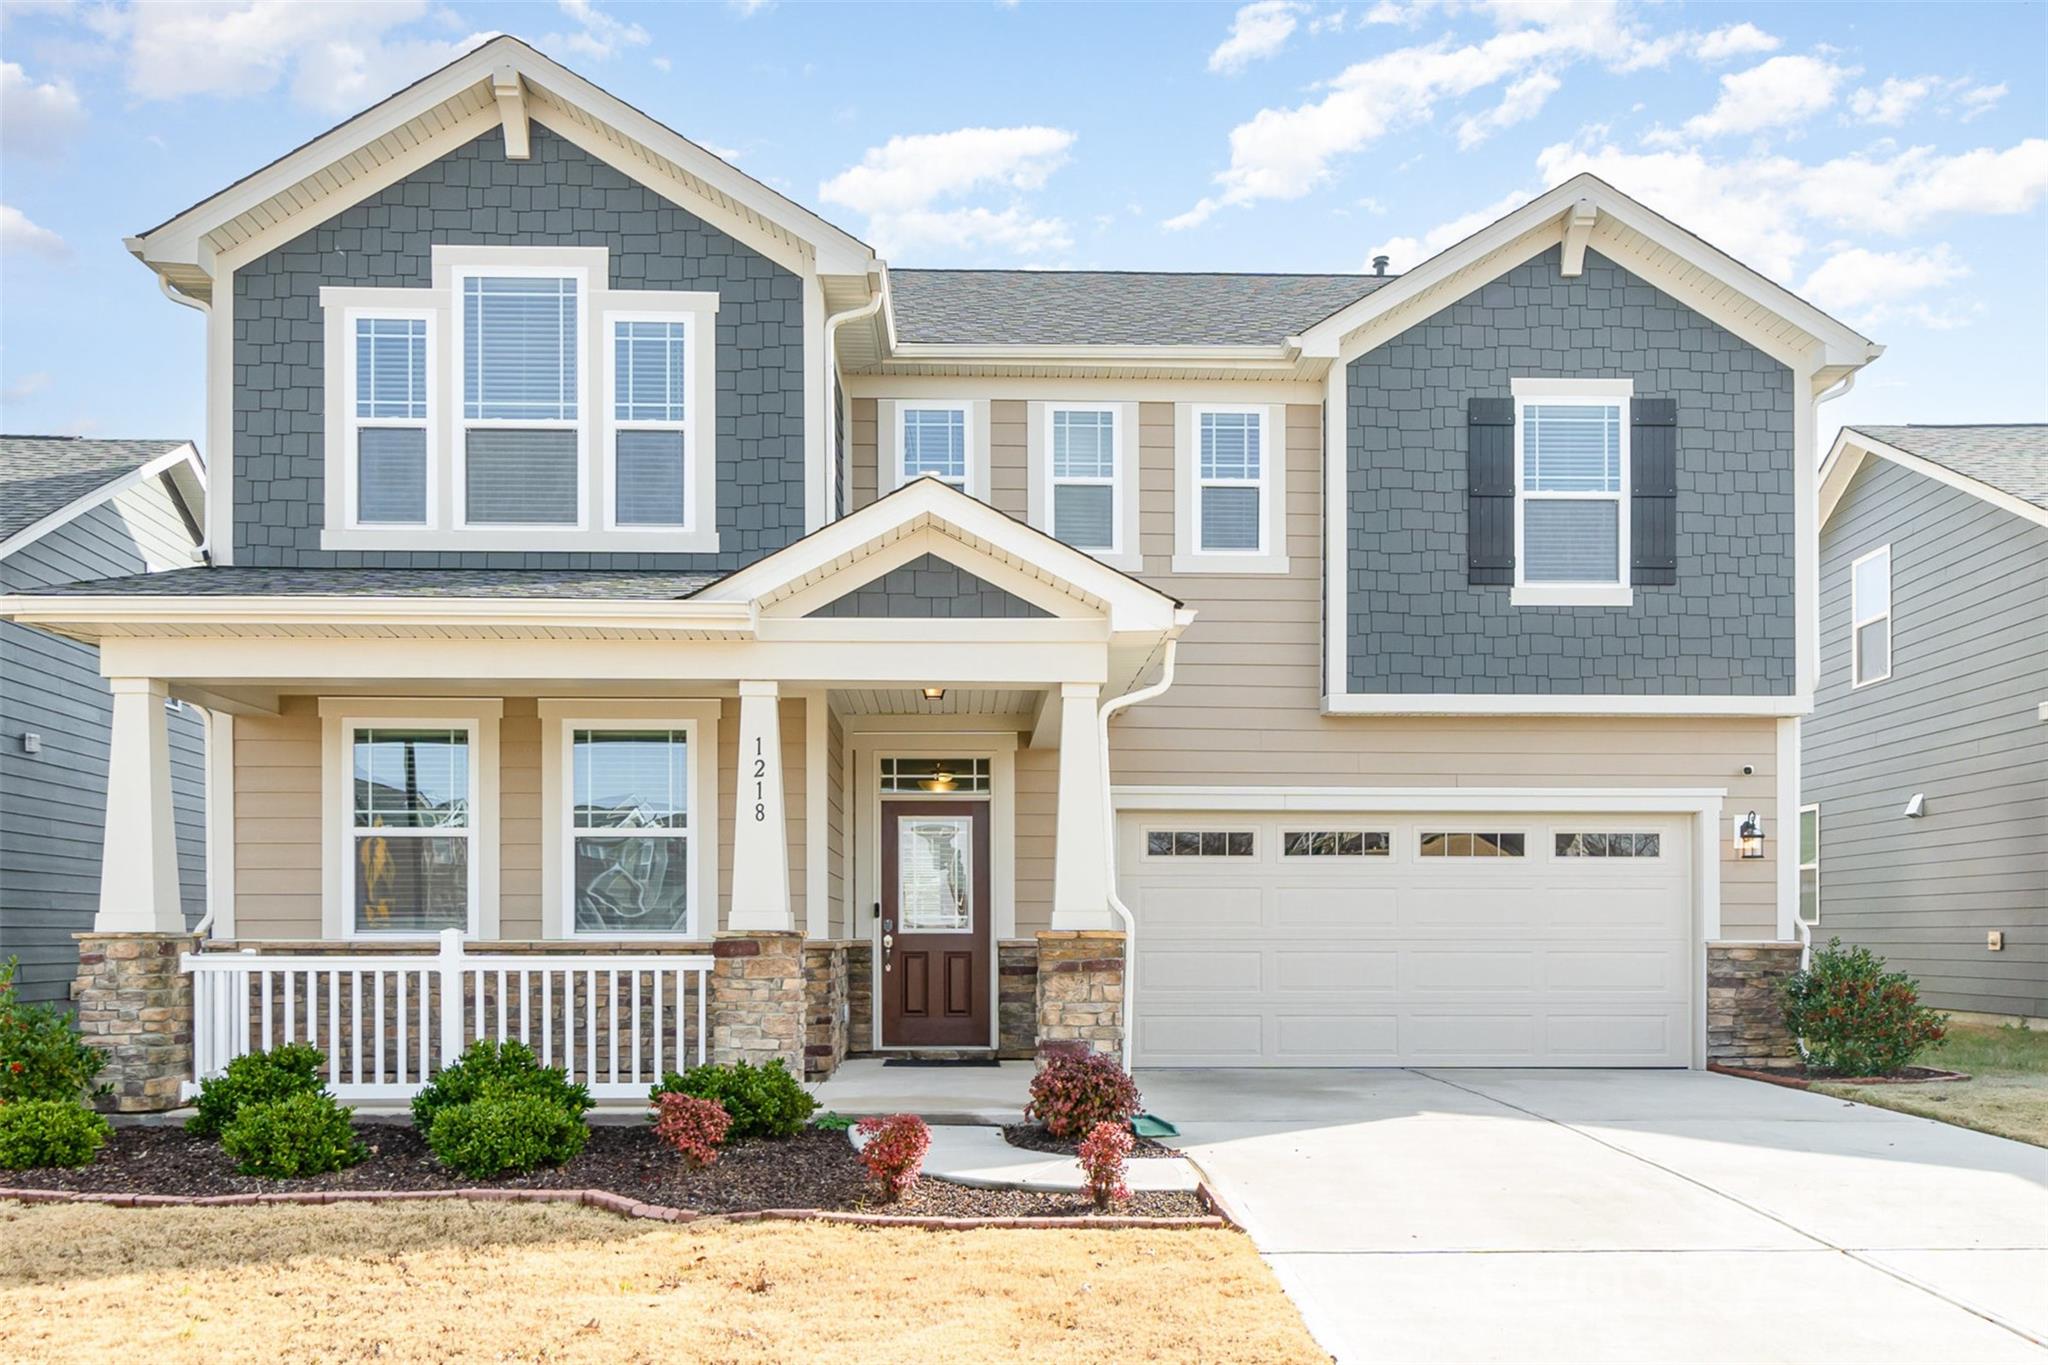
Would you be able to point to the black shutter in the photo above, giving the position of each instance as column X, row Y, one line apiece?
column 1490, row 490
column 1653, row 492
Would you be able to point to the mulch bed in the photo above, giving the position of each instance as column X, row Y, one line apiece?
column 813, row 1170
column 1802, row 1080
column 1033, row 1137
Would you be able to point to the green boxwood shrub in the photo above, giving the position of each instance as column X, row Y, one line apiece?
column 258, row 1077
column 302, row 1134
column 764, row 1101
column 42, row 1056
column 505, row 1134
column 1854, row 1018
column 49, row 1133
column 497, row 1070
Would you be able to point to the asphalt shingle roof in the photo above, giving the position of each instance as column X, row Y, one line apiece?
column 240, row 581
column 1115, row 308
column 44, row 474
column 2013, row 459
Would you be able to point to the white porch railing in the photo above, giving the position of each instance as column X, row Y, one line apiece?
column 389, row 1022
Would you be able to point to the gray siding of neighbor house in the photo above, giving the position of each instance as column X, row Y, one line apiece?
column 1958, row 720
column 53, row 804
column 931, row 587
column 561, row 196
column 1416, row 625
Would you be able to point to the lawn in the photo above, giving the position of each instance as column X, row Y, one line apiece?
column 456, row 1281
column 2007, row 1092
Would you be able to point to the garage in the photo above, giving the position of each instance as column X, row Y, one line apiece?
column 1410, row 939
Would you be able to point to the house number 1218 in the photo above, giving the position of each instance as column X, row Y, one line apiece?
column 760, row 791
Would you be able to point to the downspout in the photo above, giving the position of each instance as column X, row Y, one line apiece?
column 832, row 326
column 1116, row 904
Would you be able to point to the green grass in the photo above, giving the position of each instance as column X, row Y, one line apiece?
column 1990, row 1048
column 2007, row 1093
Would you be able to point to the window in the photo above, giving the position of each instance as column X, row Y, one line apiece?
column 652, row 443
column 1809, row 864
column 935, row 776
column 1870, row 625
column 389, row 424
column 1229, row 482
column 1610, row 844
column 933, row 442
column 629, row 831
column 411, row 829
column 1335, row 843
column 521, row 445
column 1085, row 495
column 1460, row 844
column 1202, row 843
column 1571, row 479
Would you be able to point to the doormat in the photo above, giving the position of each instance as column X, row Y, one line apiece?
column 941, row 1061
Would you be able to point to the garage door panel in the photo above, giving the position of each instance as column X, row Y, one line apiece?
column 1210, row 971
column 1200, row 1037
column 1605, row 910
column 1470, row 971
column 1336, row 1039
column 1464, row 906
column 1337, row 908
column 1221, row 910
column 1336, row 971
column 1651, row 971
column 1427, row 1036
column 1615, row 1039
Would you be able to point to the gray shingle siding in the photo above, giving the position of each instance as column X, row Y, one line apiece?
column 561, row 196
column 930, row 587
column 1417, row 626
column 53, row 804
column 1957, row 720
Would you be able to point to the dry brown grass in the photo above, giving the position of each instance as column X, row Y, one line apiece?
column 458, row 1281
column 2007, row 1092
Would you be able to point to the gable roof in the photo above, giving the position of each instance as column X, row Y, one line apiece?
column 46, row 481
column 1114, row 307
column 2004, row 464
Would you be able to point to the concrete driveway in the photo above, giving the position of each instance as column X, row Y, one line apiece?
column 1622, row 1216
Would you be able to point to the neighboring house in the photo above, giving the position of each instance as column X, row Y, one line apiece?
column 69, row 509
column 612, row 552
column 1925, row 775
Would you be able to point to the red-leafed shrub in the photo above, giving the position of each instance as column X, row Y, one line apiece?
column 1075, row 1091
column 1102, row 1161
column 694, row 1127
column 893, row 1151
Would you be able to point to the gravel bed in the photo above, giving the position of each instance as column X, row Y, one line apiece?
column 1032, row 1137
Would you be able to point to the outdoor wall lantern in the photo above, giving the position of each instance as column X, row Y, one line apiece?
column 1749, row 837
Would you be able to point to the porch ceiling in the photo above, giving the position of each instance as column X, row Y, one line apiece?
column 958, row 701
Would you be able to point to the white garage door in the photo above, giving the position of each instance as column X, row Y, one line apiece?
column 1405, row 940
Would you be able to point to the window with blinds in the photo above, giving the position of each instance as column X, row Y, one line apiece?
column 650, row 422
column 1230, row 482
column 1084, row 476
column 520, row 375
column 934, row 444
column 389, row 421
column 1571, row 489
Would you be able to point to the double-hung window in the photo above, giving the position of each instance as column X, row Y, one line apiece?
column 521, row 439
column 1571, row 505
column 412, row 828
column 629, row 830
column 932, row 442
column 1085, row 452
column 1809, row 864
column 1229, row 476
column 389, row 431
column 652, row 440
column 1870, row 623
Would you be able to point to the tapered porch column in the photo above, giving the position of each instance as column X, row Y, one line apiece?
column 760, row 844
column 1080, row 866
column 139, row 866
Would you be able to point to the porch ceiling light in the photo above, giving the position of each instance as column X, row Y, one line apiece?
column 941, row 780
column 1749, row 837
column 935, row 694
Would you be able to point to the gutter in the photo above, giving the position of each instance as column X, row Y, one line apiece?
column 832, row 326
column 1116, row 904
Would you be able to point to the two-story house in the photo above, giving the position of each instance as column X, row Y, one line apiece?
column 610, row 554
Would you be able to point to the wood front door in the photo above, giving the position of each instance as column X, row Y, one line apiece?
column 935, row 941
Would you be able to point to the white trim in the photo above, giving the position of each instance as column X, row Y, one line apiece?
column 1569, row 594
column 1787, row 799
column 220, row 822
column 1858, row 620
column 1613, row 394
column 1852, row 447
column 1448, row 800
column 183, row 453
column 1560, row 704
column 898, row 385
column 1336, row 512
column 817, row 815
column 890, row 415
column 1270, row 556
column 698, row 314
column 1123, row 552
column 1800, row 863
column 559, row 719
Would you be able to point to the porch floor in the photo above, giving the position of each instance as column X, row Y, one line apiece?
column 937, row 1094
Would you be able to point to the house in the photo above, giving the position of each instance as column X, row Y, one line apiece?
column 72, row 508
column 615, row 561
column 1925, row 765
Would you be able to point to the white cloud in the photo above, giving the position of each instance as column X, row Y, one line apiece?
column 37, row 119
column 902, row 185
column 1738, row 205
column 598, row 35
column 1773, row 94
column 19, row 233
column 1330, row 21
column 1978, row 99
column 26, row 387
column 1904, row 191
column 661, row 64
column 1258, row 30
column 1892, row 100
column 1393, row 12
column 1523, row 101
column 1736, row 40
column 1867, row 286
column 1406, row 253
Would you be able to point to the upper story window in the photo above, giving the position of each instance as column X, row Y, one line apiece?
column 1229, row 489
column 934, row 444
column 1870, row 620
column 1084, row 458
column 1571, row 492
column 933, row 438
column 519, row 404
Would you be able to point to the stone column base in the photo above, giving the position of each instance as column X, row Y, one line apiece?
column 1080, row 991
column 1745, row 1021
column 860, row 998
column 757, row 998
column 1017, row 999
column 824, row 1008
column 134, row 1003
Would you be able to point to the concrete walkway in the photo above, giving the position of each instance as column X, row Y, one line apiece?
column 937, row 1094
column 1622, row 1216
column 977, row 1155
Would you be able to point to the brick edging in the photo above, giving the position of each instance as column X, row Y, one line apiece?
column 612, row 1203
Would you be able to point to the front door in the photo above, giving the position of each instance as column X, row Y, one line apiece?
column 935, row 924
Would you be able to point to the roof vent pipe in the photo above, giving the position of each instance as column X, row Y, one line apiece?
column 1379, row 264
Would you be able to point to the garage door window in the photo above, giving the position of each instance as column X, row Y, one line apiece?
column 1471, row 844
column 1610, row 844
column 1203, row 843
column 1335, row 843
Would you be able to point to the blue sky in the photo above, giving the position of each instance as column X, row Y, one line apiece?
column 1889, row 162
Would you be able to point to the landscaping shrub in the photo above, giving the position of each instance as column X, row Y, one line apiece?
column 692, row 1126
column 42, row 1056
column 1102, row 1162
column 1854, row 1018
column 1075, row 1091
column 497, row 1071
column 49, row 1133
column 764, row 1101
column 258, row 1078
column 505, row 1133
column 305, row 1133
column 894, row 1151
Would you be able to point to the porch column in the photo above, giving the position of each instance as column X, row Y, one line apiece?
column 760, row 844
column 139, row 862
column 1080, row 866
